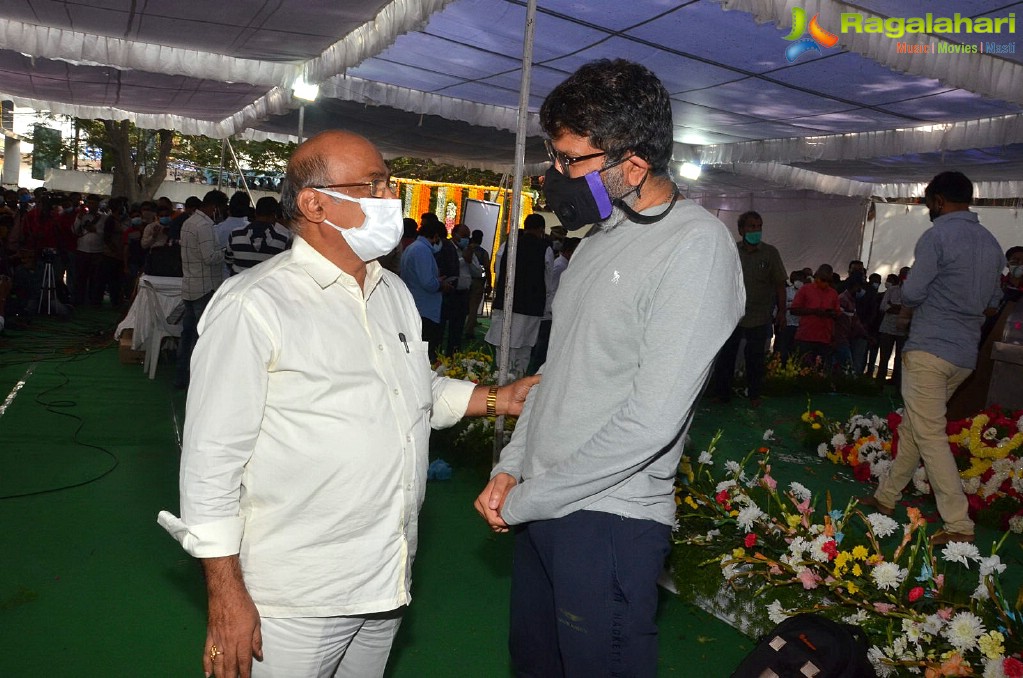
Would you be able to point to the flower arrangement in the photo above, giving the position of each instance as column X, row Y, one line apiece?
column 942, row 612
column 796, row 374
column 986, row 448
column 475, row 366
column 815, row 428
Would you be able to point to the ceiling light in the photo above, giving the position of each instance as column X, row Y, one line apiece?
column 690, row 170
column 305, row 91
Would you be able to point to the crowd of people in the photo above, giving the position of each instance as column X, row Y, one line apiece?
column 855, row 324
column 304, row 451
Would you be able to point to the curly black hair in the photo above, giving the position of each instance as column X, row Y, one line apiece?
column 619, row 105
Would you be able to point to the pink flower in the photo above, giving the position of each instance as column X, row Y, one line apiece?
column 803, row 507
column 808, row 579
column 915, row 593
column 945, row 613
column 750, row 541
column 769, row 482
column 775, row 570
column 939, row 581
column 884, row 608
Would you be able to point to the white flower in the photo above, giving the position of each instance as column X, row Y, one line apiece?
column 981, row 592
column 838, row 440
column 991, row 565
column 963, row 630
column 732, row 466
column 799, row 491
column 769, row 434
column 993, row 668
column 856, row 618
column 816, row 551
column 881, row 524
column 920, row 481
column 959, row 551
column 933, row 624
column 1016, row 524
column 880, row 467
column 724, row 485
column 888, row 575
column 711, row 534
column 776, row 613
column 705, row 458
column 748, row 515
column 881, row 667
column 1019, row 425
column 798, row 547
column 822, row 450
column 971, row 485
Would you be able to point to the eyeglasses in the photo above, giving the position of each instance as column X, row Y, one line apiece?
column 378, row 188
column 564, row 160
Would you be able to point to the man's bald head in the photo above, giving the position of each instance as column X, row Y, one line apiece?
column 331, row 157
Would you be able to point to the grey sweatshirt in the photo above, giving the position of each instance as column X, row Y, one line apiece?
column 639, row 316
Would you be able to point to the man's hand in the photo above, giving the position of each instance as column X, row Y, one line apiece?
column 233, row 637
column 491, row 500
column 517, row 392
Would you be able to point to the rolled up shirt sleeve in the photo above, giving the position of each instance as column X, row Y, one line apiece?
column 222, row 422
column 450, row 400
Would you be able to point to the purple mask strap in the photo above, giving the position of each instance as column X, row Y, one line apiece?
column 600, row 196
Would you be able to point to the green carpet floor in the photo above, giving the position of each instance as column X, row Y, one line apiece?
column 90, row 585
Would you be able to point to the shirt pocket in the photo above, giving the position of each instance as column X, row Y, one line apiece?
column 420, row 376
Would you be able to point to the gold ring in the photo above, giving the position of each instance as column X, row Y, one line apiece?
column 214, row 651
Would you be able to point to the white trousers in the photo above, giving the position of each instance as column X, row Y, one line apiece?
column 326, row 647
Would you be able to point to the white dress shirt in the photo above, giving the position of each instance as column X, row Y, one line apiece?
column 306, row 435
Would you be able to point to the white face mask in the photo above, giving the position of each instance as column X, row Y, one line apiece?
column 380, row 231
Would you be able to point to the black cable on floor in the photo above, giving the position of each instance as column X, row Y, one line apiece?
column 55, row 407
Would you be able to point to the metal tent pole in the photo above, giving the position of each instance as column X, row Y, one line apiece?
column 511, row 249
column 223, row 156
column 237, row 166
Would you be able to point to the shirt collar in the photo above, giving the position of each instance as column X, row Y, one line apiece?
column 325, row 273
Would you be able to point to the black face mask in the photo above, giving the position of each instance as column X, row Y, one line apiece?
column 579, row 201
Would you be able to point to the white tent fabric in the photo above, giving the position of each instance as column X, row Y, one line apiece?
column 896, row 229
column 858, row 119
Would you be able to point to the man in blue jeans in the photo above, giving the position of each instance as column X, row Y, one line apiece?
column 653, row 291
column 202, row 263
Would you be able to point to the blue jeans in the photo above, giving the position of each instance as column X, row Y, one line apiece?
column 584, row 596
column 189, row 335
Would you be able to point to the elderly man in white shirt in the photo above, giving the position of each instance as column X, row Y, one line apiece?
column 306, row 433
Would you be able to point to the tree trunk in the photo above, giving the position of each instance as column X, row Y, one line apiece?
column 127, row 181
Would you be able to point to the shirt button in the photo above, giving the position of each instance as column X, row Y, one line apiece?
column 395, row 391
column 380, row 346
column 408, row 438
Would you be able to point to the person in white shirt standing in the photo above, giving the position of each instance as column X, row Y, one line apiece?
column 304, row 457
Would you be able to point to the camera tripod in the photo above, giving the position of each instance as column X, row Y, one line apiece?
column 48, row 290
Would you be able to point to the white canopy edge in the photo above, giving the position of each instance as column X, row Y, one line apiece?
column 796, row 177
column 965, row 134
column 347, row 88
column 369, row 39
column 984, row 74
column 276, row 101
column 86, row 49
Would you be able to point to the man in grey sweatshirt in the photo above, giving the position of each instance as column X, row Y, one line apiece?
column 653, row 292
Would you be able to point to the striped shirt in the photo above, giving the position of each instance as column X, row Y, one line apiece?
column 255, row 242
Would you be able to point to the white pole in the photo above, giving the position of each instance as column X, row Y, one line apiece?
column 301, row 124
column 511, row 248
column 237, row 166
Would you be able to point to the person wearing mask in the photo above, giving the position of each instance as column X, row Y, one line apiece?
column 90, row 225
column 419, row 271
column 307, row 424
column 202, row 265
column 763, row 275
column 455, row 304
column 892, row 332
column 787, row 338
column 817, row 307
column 956, row 268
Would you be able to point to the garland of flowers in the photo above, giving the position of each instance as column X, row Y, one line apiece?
column 921, row 609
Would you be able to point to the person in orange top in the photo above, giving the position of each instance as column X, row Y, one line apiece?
column 817, row 307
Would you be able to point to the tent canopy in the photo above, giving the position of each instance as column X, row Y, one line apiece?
column 440, row 78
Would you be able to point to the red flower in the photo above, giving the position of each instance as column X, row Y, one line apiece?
column 722, row 497
column 915, row 593
column 862, row 472
column 751, row 540
column 831, row 548
column 1012, row 667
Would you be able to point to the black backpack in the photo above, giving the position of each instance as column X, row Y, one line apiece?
column 809, row 646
